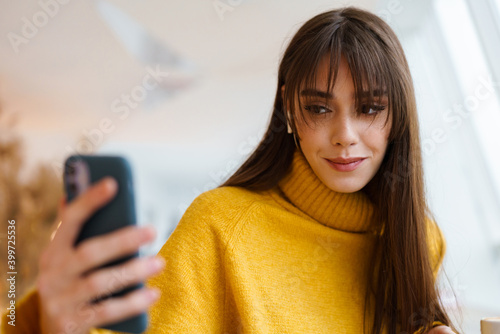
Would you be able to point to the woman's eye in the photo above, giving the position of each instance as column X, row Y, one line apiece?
column 372, row 110
column 315, row 109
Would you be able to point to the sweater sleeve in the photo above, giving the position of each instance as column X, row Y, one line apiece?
column 192, row 284
column 437, row 246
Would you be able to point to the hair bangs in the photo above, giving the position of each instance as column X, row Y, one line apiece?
column 372, row 73
column 306, row 68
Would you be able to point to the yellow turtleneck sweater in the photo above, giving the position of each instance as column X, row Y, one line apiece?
column 293, row 259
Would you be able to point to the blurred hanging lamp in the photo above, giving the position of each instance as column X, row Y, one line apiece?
column 149, row 51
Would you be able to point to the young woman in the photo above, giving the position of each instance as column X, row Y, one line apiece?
column 324, row 229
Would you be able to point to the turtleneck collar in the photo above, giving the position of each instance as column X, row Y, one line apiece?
column 350, row 212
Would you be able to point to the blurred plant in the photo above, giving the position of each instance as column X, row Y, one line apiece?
column 31, row 201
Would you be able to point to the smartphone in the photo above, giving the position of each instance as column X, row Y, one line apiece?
column 80, row 172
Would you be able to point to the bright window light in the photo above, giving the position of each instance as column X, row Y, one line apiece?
column 480, row 99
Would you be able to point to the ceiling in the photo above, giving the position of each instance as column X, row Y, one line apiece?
column 61, row 78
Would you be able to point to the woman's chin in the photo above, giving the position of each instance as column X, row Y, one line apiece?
column 345, row 187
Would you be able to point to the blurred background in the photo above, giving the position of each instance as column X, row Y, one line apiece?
column 185, row 89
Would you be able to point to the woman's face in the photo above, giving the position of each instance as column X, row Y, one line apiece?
column 344, row 147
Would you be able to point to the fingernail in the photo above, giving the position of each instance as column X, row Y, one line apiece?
column 158, row 263
column 153, row 294
column 111, row 184
column 150, row 230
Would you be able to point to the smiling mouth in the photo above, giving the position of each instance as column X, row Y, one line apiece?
column 345, row 165
column 345, row 160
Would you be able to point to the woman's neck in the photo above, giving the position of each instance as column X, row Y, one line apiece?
column 350, row 212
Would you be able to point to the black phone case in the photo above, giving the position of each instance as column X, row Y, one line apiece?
column 118, row 213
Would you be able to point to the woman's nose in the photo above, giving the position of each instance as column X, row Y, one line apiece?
column 343, row 132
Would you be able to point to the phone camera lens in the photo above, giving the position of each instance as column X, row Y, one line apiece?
column 72, row 188
column 70, row 169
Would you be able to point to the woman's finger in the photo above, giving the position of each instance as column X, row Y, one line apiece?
column 106, row 281
column 118, row 308
column 83, row 207
column 99, row 250
column 441, row 330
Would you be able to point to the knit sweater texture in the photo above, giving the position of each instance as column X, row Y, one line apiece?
column 293, row 259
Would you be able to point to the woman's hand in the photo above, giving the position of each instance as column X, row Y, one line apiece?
column 66, row 286
column 441, row 330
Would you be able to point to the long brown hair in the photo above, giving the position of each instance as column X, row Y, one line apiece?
column 403, row 281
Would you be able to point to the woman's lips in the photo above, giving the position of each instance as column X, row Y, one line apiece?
column 345, row 165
